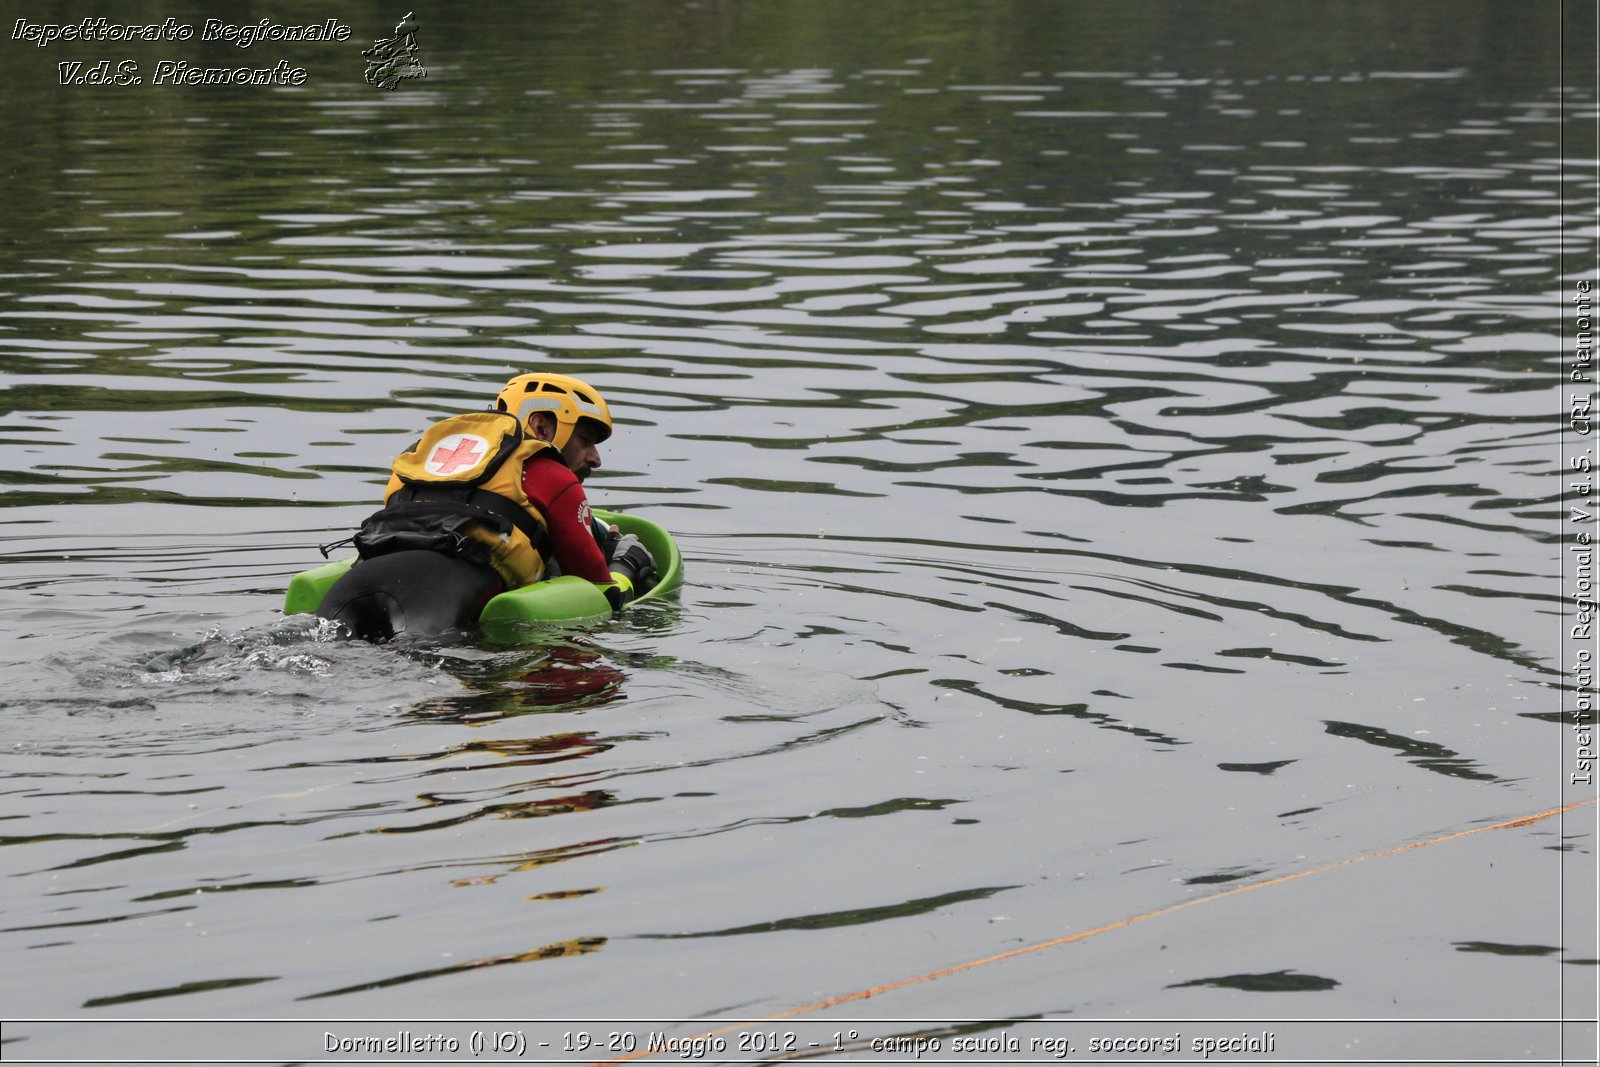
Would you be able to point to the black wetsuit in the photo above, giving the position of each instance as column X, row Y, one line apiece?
column 417, row 594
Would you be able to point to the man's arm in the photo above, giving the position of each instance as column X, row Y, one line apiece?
column 571, row 538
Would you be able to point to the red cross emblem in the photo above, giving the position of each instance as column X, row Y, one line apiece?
column 455, row 452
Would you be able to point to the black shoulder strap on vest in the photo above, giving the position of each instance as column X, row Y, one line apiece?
column 470, row 499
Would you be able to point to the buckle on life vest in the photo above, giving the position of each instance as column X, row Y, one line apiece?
column 327, row 550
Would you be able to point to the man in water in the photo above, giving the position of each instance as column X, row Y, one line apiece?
column 483, row 503
column 576, row 419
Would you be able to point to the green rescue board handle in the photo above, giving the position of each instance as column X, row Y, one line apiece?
column 564, row 599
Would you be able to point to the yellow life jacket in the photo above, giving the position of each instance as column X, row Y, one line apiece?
column 458, row 490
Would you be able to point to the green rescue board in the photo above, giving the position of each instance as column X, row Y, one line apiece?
column 564, row 599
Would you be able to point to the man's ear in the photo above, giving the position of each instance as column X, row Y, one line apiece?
column 542, row 426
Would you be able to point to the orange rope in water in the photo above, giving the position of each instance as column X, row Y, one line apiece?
column 1067, row 939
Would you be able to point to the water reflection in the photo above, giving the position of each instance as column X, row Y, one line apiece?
column 853, row 917
column 564, row 677
column 1272, row 982
column 575, row 947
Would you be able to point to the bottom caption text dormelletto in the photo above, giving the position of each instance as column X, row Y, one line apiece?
column 915, row 1046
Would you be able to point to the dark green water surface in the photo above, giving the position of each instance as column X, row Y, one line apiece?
column 1117, row 451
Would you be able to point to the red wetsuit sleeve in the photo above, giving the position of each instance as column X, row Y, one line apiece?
column 556, row 490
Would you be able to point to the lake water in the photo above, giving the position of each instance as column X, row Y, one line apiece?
column 1119, row 455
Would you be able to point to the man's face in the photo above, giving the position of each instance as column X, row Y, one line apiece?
column 582, row 451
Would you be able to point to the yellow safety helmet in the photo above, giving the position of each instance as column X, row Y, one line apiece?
column 565, row 397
